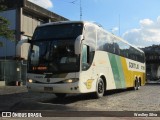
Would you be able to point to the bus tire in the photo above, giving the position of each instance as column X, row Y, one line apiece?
column 60, row 95
column 137, row 85
column 100, row 88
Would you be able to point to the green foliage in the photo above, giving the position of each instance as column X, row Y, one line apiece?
column 4, row 29
column 2, row 6
column 4, row 25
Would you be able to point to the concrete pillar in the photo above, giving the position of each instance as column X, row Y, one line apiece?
column 18, row 23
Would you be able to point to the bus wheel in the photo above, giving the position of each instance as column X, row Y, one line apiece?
column 100, row 88
column 137, row 85
column 60, row 95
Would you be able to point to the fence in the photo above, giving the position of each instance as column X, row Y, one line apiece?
column 12, row 71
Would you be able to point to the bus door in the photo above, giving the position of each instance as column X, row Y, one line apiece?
column 88, row 68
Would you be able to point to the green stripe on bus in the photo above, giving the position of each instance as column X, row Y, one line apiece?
column 117, row 70
column 121, row 72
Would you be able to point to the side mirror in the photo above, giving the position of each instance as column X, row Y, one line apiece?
column 77, row 44
column 24, row 50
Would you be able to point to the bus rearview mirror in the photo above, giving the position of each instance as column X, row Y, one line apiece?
column 77, row 44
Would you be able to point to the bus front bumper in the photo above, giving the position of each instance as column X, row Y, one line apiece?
column 53, row 88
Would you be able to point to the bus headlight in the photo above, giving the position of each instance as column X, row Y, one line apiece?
column 72, row 80
column 31, row 81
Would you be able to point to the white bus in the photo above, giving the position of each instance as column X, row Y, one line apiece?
column 81, row 57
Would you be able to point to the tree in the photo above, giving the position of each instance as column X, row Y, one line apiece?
column 4, row 29
column 4, row 25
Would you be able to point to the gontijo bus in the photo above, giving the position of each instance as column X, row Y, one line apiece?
column 81, row 57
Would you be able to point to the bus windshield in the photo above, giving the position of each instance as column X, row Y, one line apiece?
column 72, row 30
column 52, row 49
column 56, row 56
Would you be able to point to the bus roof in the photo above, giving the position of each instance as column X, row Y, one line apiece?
column 60, row 22
column 92, row 23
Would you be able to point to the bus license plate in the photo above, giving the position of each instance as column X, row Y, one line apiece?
column 48, row 89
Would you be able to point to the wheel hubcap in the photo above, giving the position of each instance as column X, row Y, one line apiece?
column 100, row 87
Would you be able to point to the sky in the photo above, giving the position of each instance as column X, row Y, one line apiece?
column 136, row 21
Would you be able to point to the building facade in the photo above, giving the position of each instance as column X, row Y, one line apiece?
column 24, row 17
column 152, row 54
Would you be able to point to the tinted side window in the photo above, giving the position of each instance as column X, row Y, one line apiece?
column 116, row 47
column 123, row 49
column 90, row 36
column 134, row 54
column 104, row 41
column 109, row 43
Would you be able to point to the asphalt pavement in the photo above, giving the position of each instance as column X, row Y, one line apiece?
column 18, row 99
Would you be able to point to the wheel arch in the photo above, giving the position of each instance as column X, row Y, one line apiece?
column 135, row 79
column 140, row 81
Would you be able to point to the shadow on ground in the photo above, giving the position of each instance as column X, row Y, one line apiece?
column 45, row 101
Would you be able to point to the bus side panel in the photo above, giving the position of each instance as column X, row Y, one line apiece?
column 127, row 74
column 100, row 66
column 125, row 71
column 103, row 61
column 131, row 72
column 117, row 71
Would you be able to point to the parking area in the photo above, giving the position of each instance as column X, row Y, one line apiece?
column 145, row 99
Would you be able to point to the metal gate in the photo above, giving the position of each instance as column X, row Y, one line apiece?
column 12, row 71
